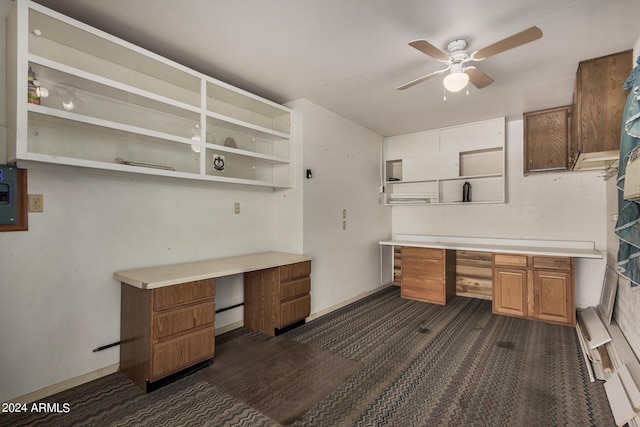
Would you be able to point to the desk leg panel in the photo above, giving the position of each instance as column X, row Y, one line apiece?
column 259, row 288
column 135, row 334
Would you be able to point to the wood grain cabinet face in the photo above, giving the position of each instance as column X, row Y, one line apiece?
column 554, row 301
column 428, row 275
column 534, row 287
column 546, row 140
column 166, row 330
column 275, row 298
column 510, row 290
column 600, row 101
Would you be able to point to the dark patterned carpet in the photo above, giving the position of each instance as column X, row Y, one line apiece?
column 422, row 365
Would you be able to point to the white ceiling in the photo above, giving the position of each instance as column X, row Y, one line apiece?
column 349, row 55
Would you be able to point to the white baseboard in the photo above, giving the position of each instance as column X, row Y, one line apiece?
column 230, row 327
column 328, row 310
column 65, row 385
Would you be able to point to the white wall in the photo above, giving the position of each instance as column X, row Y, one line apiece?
column 550, row 205
column 58, row 297
column 345, row 161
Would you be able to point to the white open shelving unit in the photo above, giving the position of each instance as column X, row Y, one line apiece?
column 113, row 105
column 431, row 167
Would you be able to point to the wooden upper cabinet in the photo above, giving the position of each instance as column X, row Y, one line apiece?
column 600, row 101
column 546, row 140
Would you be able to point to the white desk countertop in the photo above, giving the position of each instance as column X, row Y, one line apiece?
column 173, row 274
column 566, row 248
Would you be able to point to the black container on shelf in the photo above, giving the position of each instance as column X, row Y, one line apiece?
column 466, row 192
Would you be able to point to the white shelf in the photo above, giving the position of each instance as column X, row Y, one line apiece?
column 458, row 178
column 471, row 177
column 98, row 84
column 53, row 113
column 435, row 162
column 131, row 105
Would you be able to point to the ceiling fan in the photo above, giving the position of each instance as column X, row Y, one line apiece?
column 456, row 58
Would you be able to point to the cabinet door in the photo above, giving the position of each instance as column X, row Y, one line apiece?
column 510, row 292
column 600, row 101
column 554, row 301
column 546, row 140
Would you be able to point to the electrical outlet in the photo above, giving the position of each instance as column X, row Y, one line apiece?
column 236, row 208
column 36, row 203
column 344, row 214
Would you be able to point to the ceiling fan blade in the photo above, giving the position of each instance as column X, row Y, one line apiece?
column 429, row 49
column 421, row 79
column 523, row 37
column 477, row 77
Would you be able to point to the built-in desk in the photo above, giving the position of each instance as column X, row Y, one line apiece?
column 524, row 278
column 168, row 312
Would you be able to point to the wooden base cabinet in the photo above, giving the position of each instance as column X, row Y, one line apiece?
column 428, row 274
column 534, row 287
column 165, row 330
column 275, row 298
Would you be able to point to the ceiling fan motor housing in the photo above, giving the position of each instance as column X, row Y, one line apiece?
column 457, row 45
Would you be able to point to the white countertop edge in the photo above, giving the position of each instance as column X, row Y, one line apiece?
column 521, row 249
column 173, row 274
column 537, row 243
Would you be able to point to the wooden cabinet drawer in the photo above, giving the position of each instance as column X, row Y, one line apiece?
column 173, row 355
column 171, row 296
column 295, row 288
column 294, row 310
column 420, row 290
column 510, row 260
column 293, row 271
column 423, row 269
column 552, row 263
column 428, row 253
column 179, row 321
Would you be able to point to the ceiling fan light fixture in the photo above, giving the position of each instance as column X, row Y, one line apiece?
column 455, row 82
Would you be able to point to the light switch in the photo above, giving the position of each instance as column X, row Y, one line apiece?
column 236, row 208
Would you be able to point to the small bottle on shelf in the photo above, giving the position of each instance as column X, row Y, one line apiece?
column 32, row 93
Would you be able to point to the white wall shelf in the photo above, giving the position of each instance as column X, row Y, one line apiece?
column 116, row 106
column 428, row 168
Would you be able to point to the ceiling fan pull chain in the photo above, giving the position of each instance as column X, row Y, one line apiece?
column 444, row 91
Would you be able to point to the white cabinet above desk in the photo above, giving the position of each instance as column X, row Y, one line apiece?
column 431, row 167
column 80, row 97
